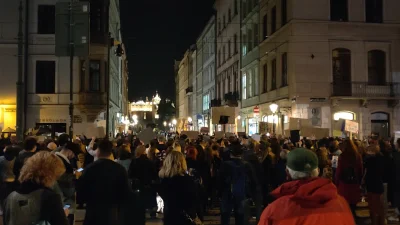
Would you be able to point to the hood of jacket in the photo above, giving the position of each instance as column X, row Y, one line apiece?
column 312, row 192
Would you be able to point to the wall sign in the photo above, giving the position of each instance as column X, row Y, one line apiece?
column 47, row 120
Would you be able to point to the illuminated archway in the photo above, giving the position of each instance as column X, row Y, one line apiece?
column 345, row 115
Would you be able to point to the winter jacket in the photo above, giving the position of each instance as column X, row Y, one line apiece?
column 312, row 201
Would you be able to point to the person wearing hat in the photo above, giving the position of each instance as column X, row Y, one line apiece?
column 307, row 199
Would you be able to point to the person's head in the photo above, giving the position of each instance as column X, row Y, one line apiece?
column 177, row 147
column 308, row 144
column 191, row 153
column 124, row 152
column 283, row 154
column 30, row 144
column 236, row 151
column 51, row 146
column 63, row 139
column 161, row 139
column 13, row 140
column 104, row 149
column 140, row 150
column 43, row 168
column 302, row 164
column 174, row 165
column 69, row 149
column 10, row 153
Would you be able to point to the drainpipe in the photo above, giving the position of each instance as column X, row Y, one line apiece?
column 26, row 65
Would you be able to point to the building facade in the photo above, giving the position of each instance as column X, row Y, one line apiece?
column 228, row 59
column 8, row 63
column 47, row 76
column 325, row 61
column 206, row 71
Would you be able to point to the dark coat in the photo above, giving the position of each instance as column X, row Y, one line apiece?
column 175, row 202
column 104, row 188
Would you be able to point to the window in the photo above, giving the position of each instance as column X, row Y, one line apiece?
column 229, row 15
column 206, row 102
column 255, row 81
column 244, row 8
column 97, row 22
column 46, row 19
column 273, row 77
column 284, row 12
column 376, row 67
column 374, row 11
column 250, row 83
column 244, row 47
column 273, row 20
column 265, row 27
column 250, row 39
column 339, row 10
column 45, row 77
column 229, row 49
column 256, row 34
column 223, row 54
column 265, row 78
column 341, row 71
column 284, row 70
column 236, row 7
column 235, row 49
column 244, row 88
column 94, row 75
column 219, row 58
column 229, row 84
column 219, row 24
column 82, row 76
column 224, row 21
column 249, row 7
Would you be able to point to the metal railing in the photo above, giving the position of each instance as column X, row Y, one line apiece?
column 365, row 89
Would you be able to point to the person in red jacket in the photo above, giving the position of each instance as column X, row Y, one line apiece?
column 307, row 199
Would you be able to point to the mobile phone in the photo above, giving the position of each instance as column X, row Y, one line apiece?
column 67, row 206
column 80, row 170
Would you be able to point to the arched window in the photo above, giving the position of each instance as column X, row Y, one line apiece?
column 341, row 71
column 376, row 67
column 339, row 10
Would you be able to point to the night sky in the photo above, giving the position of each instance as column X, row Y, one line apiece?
column 156, row 32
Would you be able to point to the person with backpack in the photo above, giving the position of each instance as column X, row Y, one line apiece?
column 349, row 174
column 234, row 186
column 35, row 202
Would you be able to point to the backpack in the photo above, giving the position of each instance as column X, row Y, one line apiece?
column 27, row 207
column 238, row 180
column 349, row 176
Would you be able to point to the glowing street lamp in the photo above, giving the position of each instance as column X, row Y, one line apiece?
column 134, row 117
column 273, row 107
column 174, row 122
column 165, row 123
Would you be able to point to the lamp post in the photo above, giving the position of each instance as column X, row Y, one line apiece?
column 273, row 107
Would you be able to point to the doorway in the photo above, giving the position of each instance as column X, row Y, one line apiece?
column 380, row 124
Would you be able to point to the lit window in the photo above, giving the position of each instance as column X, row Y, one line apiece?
column 244, row 90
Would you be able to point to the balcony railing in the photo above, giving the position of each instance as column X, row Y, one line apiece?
column 366, row 90
column 189, row 90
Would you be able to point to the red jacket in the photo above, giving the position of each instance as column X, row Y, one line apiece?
column 307, row 202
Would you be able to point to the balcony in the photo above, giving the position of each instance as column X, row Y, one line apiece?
column 89, row 98
column 231, row 99
column 216, row 103
column 189, row 90
column 365, row 90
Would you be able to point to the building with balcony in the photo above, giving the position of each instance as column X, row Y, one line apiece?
column 47, row 76
column 206, row 70
column 325, row 61
column 228, row 57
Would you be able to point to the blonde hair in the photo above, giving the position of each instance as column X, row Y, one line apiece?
column 140, row 150
column 177, row 147
column 174, row 165
column 43, row 168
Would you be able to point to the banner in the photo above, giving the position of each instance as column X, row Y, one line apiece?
column 219, row 135
column 314, row 132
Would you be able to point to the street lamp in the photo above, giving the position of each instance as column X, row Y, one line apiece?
column 273, row 107
column 174, row 122
column 190, row 119
column 165, row 123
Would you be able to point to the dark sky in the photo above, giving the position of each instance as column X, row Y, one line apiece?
column 156, row 32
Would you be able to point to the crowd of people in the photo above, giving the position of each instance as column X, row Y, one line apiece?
column 273, row 180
